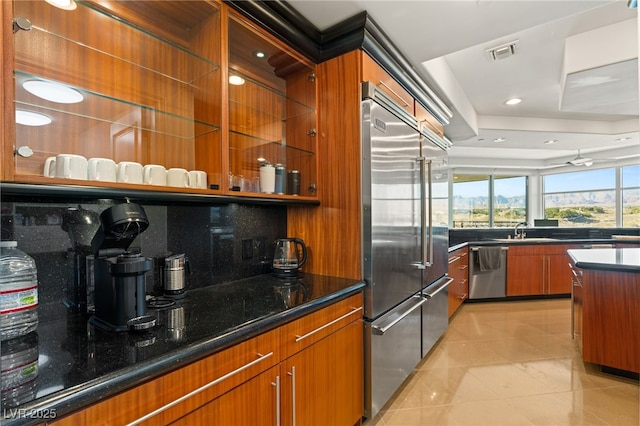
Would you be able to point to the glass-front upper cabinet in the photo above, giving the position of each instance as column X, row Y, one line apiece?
column 118, row 93
column 272, row 115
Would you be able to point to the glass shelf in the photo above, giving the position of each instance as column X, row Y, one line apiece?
column 253, row 142
column 145, row 52
column 97, row 108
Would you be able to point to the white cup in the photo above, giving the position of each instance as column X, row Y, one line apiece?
column 154, row 174
column 178, row 177
column 71, row 166
column 102, row 169
column 50, row 167
column 267, row 178
column 197, row 179
column 129, row 172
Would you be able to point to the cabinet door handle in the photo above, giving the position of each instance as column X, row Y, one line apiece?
column 277, row 386
column 200, row 389
column 293, row 395
column 382, row 83
column 329, row 324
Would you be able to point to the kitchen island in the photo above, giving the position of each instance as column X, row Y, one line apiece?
column 606, row 306
column 79, row 365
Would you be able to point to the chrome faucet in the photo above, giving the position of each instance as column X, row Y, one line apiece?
column 522, row 234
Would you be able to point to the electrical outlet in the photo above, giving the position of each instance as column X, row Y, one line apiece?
column 247, row 248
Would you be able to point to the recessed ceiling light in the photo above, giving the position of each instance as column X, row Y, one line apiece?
column 550, row 141
column 29, row 118
column 513, row 101
column 260, row 54
column 236, row 80
column 500, row 139
column 63, row 4
column 53, row 92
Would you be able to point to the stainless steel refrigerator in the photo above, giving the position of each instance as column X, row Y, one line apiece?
column 405, row 243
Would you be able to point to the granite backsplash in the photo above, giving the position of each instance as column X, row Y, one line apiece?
column 223, row 242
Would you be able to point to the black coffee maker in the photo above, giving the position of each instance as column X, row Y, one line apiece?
column 120, row 303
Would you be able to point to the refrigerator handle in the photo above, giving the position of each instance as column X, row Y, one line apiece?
column 429, row 293
column 424, row 213
column 426, row 219
column 381, row 329
column 424, row 261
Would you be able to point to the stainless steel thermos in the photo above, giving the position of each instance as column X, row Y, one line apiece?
column 293, row 184
column 176, row 268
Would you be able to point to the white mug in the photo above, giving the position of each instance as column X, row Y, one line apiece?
column 71, row 166
column 50, row 167
column 129, row 172
column 154, row 174
column 102, row 169
column 197, row 179
column 178, row 177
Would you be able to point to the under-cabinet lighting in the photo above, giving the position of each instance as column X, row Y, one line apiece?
column 513, row 101
column 623, row 139
column 236, row 80
column 29, row 118
column 550, row 141
column 53, row 92
column 499, row 139
column 63, row 4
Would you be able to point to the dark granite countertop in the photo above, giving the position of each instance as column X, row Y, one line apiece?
column 609, row 259
column 587, row 243
column 78, row 364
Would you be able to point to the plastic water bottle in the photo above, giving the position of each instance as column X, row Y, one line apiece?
column 18, row 292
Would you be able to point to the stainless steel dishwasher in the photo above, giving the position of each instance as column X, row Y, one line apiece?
column 489, row 283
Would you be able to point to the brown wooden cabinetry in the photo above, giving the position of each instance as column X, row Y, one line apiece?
column 373, row 72
column 151, row 81
column 310, row 368
column 607, row 317
column 459, row 271
column 538, row 269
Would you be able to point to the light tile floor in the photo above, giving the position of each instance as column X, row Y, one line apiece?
column 511, row 363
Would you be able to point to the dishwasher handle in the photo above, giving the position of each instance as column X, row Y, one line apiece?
column 383, row 328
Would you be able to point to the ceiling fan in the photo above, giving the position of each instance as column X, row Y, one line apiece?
column 581, row 161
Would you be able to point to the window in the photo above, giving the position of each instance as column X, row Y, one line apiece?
column 581, row 199
column 509, row 201
column 631, row 196
column 470, row 201
column 473, row 207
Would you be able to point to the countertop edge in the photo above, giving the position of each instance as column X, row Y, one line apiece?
column 602, row 266
column 78, row 397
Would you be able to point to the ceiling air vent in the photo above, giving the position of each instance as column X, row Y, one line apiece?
column 503, row 51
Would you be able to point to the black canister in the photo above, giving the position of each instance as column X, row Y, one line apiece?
column 280, row 187
column 293, row 183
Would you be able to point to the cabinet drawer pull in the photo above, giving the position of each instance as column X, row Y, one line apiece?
column 200, row 389
column 463, row 296
column 463, row 267
column 329, row 324
column 453, row 259
column 382, row 83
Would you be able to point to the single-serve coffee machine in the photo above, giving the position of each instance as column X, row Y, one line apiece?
column 120, row 303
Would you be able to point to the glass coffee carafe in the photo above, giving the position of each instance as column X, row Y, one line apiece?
column 289, row 256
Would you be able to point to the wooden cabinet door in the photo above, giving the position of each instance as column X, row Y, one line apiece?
column 322, row 384
column 559, row 278
column 373, row 72
column 525, row 274
column 253, row 403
